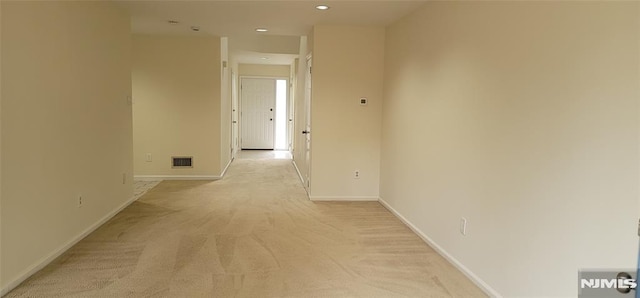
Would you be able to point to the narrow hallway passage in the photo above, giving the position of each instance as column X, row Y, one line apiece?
column 252, row 234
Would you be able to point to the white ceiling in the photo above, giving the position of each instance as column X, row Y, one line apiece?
column 238, row 19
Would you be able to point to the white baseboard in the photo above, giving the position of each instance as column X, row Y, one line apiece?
column 56, row 253
column 183, row 177
column 147, row 178
column 226, row 168
column 472, row 276
column 175, row 177
column 298, row 171
column 344, row 198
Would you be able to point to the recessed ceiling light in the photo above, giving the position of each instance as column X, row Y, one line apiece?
column 173, row 22
column 261, row 30
column 322, row 7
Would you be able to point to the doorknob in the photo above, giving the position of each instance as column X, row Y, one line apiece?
column 304, row 132
column 270, row 119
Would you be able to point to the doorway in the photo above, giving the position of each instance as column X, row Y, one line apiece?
column 263, row 113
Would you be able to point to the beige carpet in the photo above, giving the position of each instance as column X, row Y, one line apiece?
column 253, row 234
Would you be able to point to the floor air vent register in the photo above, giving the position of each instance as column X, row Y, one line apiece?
column 182, row 161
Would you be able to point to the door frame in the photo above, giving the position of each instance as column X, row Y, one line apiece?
column 288, row 106
column 235, row 119
column 307, row 125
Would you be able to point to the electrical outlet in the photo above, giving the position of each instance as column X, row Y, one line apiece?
column 356, row 174
column 79, row 201
column 148, row 157
column 463, row 226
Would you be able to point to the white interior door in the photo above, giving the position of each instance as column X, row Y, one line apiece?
column 257, row 103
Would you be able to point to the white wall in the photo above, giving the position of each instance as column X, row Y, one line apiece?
column 1, row 280
column 347, row 65
column 261, row 43
column 523, row 118
column 225, row 105
column 299, row 120
column 264, row 70
column 66, row 127
column 177, row 106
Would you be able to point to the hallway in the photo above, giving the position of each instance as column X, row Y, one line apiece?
column 252, row 234
column 263, row 154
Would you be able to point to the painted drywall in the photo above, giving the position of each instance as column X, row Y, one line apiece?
column 309, row 43
column 1, row 282
column 299, row 120
column 66, row 127
column 521, row 117
column 225, row 105
column 177, row 108
column 259, row 43
column 348, row 64
column 265, row 70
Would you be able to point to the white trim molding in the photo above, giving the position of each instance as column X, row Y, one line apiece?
column 175, row 177
column 62, row 249
column 298, row 171
column 184, row 177
column 344, row 198
column 468, row 273
column 224, row 172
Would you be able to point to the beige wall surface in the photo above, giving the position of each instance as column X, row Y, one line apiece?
column 347, row 65
column 259, row 43
column 176, row 112
column 66, row 126
column 523, row 118
column 299, row 120
column 225, row 105
column 1, row 281
column 265, row 70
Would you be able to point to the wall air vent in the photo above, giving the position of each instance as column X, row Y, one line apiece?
column 182, row 161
